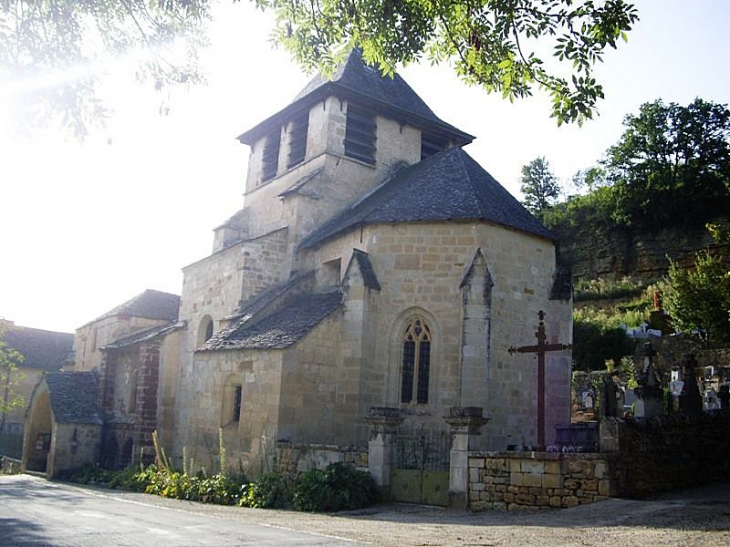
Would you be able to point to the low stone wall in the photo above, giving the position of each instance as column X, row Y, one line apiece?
column 294, row 458
column 639, row 456
column 537, row 480
column 10, row 466
column 667, row 452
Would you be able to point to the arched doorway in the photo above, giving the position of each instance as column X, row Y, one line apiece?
column 39, row 427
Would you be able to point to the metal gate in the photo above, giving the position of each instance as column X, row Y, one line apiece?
column 421, row 470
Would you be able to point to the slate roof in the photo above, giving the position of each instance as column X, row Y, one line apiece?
column 41, row 349
column 449, row 185
column 259, row 302
column 149, row 305
column 354, row 80
column 283, row 328
column 366, row 268
column 74, row 397
column 145, row 335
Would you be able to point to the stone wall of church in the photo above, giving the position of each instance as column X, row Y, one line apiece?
column 420, row 268
column 326, row 194
column 169, row 386
column 93, row 336
column 215, row 286
column 205, row 406
column 320, row 389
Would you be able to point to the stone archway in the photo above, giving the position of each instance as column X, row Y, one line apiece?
column 38, row 430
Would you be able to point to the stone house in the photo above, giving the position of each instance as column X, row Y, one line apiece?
column 43, row 351
column 104, row 405
column 374, row 265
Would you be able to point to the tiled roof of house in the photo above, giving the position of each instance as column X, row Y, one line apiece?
column 41, row 349
column 449, row 185
column 149, row 305
column 74, row 397
column 282, row 328
column 145, row 335
column 354, row 80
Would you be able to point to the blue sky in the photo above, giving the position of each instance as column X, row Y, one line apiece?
column 86, row 226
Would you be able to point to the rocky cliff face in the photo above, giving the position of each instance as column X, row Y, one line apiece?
column 619, row 253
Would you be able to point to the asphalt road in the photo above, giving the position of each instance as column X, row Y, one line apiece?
column 35, row 512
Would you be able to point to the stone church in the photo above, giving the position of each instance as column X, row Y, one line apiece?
column 374, row 264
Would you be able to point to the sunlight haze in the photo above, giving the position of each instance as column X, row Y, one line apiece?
column 88, row 225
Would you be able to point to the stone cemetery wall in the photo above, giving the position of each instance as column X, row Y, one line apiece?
column 638, row 457
column 537, row 480
column 295, row 458
column 667, row 452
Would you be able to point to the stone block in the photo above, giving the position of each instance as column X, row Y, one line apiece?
column 532, row 479
column 496, row 465
column 532, row 466
column 570, row 501
column 606, row 487
column 542, row 501
column 525, row 499
column 516, row 479
column 552, row 466
column 550, row 480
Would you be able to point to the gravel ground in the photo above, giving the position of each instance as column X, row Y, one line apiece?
column 698, row 517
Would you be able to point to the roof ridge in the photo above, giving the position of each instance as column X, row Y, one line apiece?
column 470, row 181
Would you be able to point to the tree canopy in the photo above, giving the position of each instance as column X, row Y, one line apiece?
column 496, row 44
column 9, row 376
column 672, row 164
column 670, row 167
column 501, row 45
column 539, row 186
column 699, row 299
column 50, row 51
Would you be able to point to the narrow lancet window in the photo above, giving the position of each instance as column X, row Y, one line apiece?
column 416, row 362
column 270, row 161
column 360, row 134
column 298, row 139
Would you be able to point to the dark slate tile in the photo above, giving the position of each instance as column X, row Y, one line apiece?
column 449, row 185
column 281, row 329
column 41, row 349
column 74, row 396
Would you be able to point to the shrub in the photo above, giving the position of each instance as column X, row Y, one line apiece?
column 338, row 487
column 272, row 490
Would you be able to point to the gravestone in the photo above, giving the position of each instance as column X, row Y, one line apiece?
column 724, row 396
column 649, row 396
column 588, row 400
column 711, row 400
column 690, row 400
column 609, row 406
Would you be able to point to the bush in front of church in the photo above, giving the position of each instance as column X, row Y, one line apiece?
column 338, row 487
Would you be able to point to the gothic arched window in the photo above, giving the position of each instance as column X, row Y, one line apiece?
column 416, row 362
